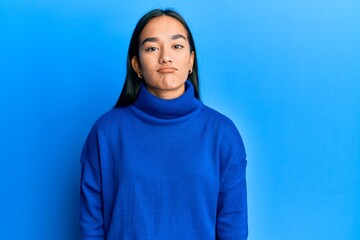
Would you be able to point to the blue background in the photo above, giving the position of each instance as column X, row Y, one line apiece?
column 287, row 73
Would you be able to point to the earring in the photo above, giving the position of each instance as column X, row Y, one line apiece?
column 190, row 71
column 140, row 75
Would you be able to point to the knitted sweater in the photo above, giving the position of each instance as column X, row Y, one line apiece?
column 163, row 170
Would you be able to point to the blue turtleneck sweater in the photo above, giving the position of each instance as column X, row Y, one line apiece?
column 163, row 170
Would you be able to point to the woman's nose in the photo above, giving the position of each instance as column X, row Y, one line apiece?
column 165, row 56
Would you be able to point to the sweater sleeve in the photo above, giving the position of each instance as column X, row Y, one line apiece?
column 232, row 221
column 91, row 205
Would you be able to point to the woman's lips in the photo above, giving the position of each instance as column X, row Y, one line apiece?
column 166, row 70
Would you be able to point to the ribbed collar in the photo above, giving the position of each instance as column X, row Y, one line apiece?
column 160, row 108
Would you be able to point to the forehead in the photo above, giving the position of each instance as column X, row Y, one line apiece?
column 163, row 26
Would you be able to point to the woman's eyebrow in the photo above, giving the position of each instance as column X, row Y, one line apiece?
column 150, row 39
column 177, row 36
column 155, row 39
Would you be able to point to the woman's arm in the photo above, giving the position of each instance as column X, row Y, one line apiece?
column 232, row 222
column 91, row 205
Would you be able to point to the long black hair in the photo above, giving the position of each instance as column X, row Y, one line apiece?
column 132, row 82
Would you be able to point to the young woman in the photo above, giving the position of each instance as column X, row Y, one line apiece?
column 161, row 164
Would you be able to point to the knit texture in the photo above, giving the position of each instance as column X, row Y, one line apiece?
column 163, row 170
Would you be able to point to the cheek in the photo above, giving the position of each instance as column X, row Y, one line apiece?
column 185, row 60
column 147, row 63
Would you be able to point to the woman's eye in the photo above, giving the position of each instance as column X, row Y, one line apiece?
column 178, row 46
column 151, row 49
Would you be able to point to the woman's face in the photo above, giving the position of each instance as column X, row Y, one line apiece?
column 164, row 57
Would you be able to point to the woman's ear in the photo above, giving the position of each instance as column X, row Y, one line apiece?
column 136, row 64
column 191, row 60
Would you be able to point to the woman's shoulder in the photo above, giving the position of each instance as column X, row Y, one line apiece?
column 217, row 117
column 114, row 116
column 224, row 129
column 221, row 123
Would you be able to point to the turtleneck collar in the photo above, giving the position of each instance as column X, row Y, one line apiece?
column 175, row 108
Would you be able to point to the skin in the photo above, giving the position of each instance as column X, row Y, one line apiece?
column 165, row 58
